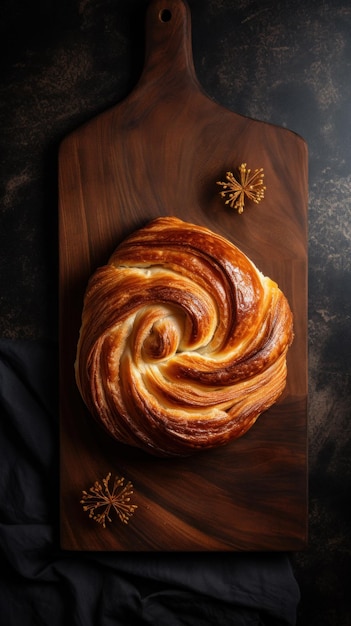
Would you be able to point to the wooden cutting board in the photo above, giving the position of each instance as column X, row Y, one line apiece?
column 160, row 152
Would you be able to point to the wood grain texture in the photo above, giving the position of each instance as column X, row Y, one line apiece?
column 160, row 152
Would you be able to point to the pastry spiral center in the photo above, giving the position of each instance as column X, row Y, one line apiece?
column 160, row 340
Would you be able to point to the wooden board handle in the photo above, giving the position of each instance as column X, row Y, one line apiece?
column 168, row 50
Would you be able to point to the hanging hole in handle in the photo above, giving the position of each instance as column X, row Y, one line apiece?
column 165, row 15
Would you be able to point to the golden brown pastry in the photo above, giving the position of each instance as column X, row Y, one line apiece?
column 183, row 341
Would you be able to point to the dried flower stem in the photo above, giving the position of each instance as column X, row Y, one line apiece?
column 99, row 500
column 250, row 185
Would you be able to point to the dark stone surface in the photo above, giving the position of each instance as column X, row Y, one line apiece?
column 286, row 63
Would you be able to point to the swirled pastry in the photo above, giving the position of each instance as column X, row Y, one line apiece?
column 183, row 341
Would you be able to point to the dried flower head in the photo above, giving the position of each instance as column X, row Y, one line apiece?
column 249, row 184
column 100, row 499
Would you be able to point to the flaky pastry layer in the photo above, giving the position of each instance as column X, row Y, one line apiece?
column 183, row 340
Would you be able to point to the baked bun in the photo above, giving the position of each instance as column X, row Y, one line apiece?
column 183, row 341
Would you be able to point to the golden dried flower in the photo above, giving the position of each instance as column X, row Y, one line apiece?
column 99, row 500
column 249, row 184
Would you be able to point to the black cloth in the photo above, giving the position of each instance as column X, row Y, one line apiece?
column 42, row 585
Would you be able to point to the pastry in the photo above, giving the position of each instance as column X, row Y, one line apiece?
column 183, row 341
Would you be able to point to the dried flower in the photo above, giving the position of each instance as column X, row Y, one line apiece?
column 99, row 500
column 249, row 185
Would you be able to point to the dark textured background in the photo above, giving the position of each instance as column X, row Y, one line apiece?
column 289, row 63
